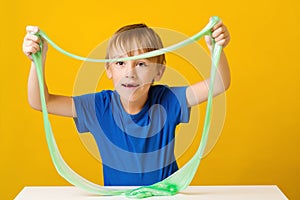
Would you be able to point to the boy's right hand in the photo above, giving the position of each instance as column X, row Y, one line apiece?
column 31, row 42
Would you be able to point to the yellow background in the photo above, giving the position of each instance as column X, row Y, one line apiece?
column 261, row 137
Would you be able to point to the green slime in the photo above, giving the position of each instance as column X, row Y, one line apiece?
column 179, row 180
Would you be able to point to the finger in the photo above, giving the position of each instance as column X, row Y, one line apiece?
column 221, row 37
column 32, row 29
column 31, row 47
column 220, row 30
column 28, row 50
column 222, row 42
column 31, row 50
column 217, row 25
column 35, row 46
column 33, row 38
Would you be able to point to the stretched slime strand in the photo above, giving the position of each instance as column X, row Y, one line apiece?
column 179, row 180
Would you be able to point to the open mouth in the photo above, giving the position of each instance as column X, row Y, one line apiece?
column 129, row 85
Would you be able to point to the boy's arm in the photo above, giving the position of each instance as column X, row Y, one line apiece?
column 198, row 92
column 56, row 104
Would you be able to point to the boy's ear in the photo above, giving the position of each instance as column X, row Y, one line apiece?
column 160, row 72
column 108, row 71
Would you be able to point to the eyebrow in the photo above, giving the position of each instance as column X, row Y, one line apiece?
column 127, row 55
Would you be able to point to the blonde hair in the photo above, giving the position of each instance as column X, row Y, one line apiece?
column 134, row 38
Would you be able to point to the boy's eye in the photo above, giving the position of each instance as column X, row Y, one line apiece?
column 120, row 63
column 141, row 64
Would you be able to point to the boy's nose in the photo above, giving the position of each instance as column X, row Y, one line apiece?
column 131, row 71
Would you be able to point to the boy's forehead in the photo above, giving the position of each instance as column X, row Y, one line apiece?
column 121, row 53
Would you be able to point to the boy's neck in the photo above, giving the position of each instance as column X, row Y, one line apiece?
column 134, row 107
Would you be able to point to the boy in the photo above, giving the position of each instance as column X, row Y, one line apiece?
column 133, row 125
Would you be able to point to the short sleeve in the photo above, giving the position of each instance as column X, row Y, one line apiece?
column 180, row 93
column 85, row 111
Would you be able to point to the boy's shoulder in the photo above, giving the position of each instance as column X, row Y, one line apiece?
column 99, row 93
column 95, row 96
column 166, row 89
column 106, row 94
column 158, row 87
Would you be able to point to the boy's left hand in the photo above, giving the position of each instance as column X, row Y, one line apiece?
column 220, row 34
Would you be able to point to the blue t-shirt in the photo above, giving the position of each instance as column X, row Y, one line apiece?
column 135, row 149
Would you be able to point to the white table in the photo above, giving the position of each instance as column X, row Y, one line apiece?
column 261, row 192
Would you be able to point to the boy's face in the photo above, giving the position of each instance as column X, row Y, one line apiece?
column 132, row 79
